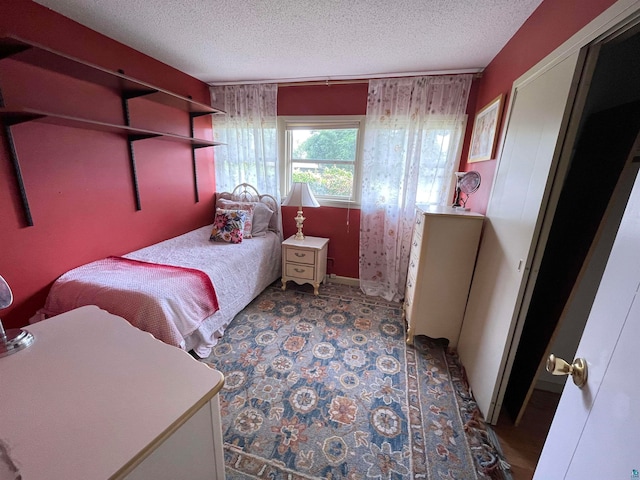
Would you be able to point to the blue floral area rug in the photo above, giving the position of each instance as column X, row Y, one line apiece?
column 325, row 387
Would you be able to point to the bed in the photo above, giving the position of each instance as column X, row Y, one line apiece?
column 185, row 290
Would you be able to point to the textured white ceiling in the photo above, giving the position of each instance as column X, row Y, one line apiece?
column 276, row 40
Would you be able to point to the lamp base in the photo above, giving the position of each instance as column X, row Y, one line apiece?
column 14, row 341
column 299, row 221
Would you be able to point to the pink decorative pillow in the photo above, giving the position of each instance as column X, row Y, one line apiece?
column 246, row 206
column 228, row 226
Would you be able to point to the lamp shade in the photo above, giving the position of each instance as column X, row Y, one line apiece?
column 300, row 195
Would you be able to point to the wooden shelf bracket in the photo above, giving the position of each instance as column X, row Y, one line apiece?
column 128, row 88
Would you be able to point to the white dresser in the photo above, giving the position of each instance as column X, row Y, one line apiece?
column 443, row 253
column 95, row 398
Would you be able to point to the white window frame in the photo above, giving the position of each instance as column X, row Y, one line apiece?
column 288, row 123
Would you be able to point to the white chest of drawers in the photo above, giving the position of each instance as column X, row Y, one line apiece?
column 304, row 261
column 443, row 253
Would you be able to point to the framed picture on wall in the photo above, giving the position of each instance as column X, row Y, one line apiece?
column 485, row 129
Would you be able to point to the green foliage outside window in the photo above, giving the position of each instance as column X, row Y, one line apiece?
column 331, row 180
column 324, row 146
column 338, row 144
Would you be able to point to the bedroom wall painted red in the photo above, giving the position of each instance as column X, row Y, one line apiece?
column 550, row 25
column 78, row 181
column 339, row 225
column 332, row 99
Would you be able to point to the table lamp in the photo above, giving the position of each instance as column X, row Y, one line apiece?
column 300, row 195
column 13, row 340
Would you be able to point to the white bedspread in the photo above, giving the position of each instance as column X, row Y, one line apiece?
column 239, row 272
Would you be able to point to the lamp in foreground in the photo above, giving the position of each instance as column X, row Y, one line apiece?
column 13, row 340
column 300, row 195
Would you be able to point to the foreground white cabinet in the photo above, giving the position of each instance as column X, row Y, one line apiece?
column 95, row 398
column 443, row 253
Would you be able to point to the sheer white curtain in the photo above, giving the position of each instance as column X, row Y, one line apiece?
column 249, row 131
column 414, row 129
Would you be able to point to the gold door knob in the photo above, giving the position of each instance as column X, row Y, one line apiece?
column 578, row 370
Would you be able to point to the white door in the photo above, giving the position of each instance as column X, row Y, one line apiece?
column 513, row 220
column 594, row 433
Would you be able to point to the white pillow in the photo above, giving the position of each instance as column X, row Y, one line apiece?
column 261, row 219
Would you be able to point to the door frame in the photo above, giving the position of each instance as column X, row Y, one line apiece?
column 619, row 16
column 577, row 121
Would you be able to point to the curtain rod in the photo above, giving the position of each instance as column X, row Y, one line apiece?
column 345, row 79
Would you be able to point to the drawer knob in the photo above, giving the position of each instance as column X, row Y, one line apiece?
column 297, row 254
column 415, row 243
column 299, row 270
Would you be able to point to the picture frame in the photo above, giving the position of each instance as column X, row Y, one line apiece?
column 485, row 131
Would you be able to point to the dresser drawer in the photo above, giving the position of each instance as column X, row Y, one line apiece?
column 300, row 256
column 409, row 292
column 418, row 226
column 408, row 313
column 416, row 241
column 414, row 261
column 297, row 270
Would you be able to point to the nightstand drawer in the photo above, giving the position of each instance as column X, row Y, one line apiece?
column 300, row 256
column 299, row 271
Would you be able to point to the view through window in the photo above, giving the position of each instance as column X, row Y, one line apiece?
column 325, row 154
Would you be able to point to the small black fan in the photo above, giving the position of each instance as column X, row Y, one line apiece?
column 467, row 183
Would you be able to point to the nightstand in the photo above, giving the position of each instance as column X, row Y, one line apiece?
column 304, row 261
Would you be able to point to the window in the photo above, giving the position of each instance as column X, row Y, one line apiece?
column 441, row 144
column 324, row 152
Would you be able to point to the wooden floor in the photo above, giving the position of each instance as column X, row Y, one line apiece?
column 522, row 445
